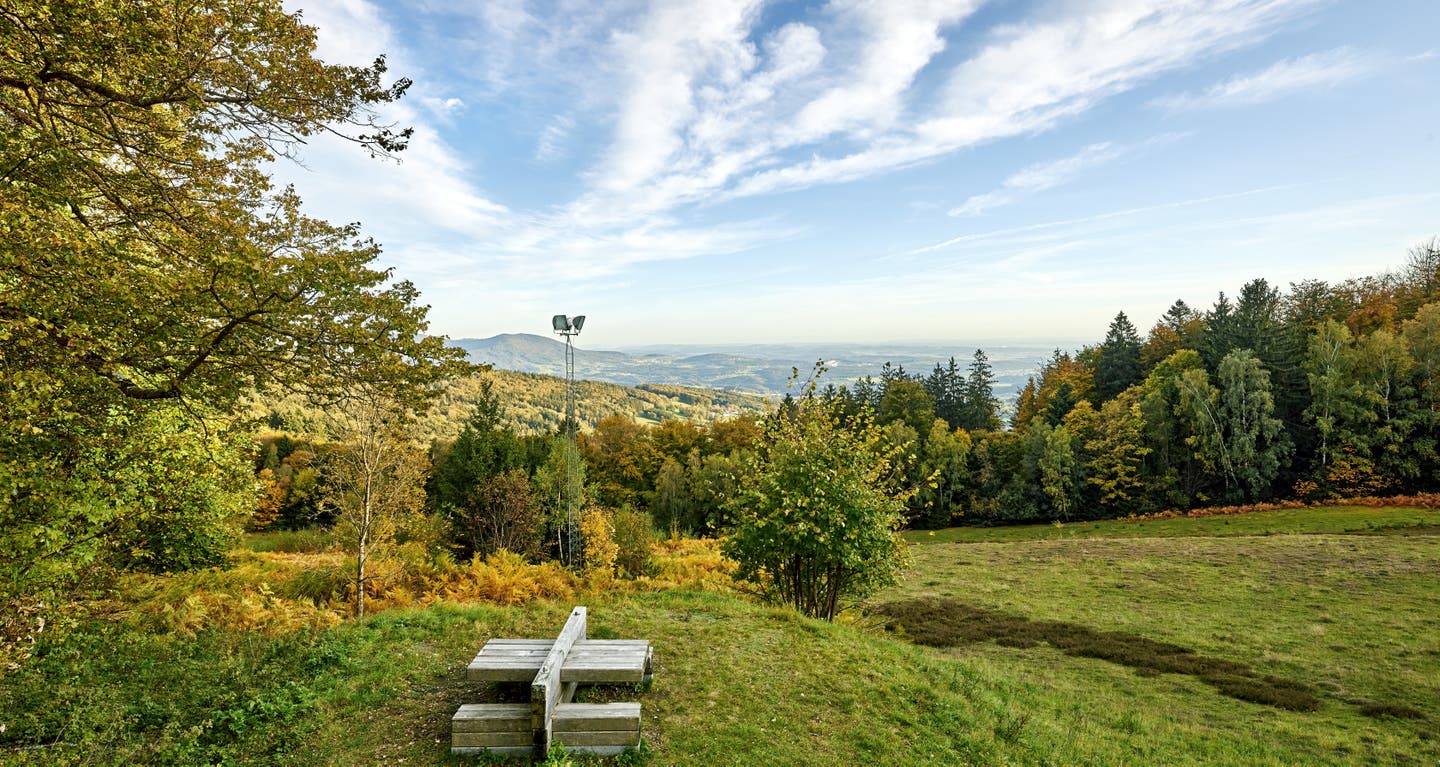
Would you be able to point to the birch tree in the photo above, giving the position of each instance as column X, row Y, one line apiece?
column 374, row 479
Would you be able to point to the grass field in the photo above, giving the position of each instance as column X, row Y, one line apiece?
column 1330, row 519
column 1109, row 649
column 1351, row 618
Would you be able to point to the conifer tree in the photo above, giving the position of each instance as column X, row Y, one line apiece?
column 1119, row 365
column 948, row 389
column 981, row 409
column 1061, row 404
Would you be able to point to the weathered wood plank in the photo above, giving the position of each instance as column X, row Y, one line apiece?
column 625, row 738
column 525, row 750
column 554, row 668
column 491, row 717
column 491, row 739
column 545, row 690
column 592, row 717
column 612, row 661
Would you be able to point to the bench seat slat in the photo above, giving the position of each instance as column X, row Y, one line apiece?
column 491, row 717
column 621, row 739
column 491, row 739
column 597, row 717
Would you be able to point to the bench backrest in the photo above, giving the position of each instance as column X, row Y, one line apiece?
column 545, row 691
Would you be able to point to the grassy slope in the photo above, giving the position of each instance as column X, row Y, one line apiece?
column 738, row 683
column 1331, row 519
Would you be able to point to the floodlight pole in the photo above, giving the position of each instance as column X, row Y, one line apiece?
column 569, row 327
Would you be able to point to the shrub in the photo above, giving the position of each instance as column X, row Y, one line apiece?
column 501, row 513
column 598, row 536
column 633, row 536
column 816, row 519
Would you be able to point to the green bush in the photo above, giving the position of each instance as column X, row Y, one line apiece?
column 817, row 516
column 633, row 534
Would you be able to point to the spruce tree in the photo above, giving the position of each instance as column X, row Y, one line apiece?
column 1061, row 404
column 981, row 409
column 947, row 387
column 1218, row 339
column 1180, row 318
column 1119, row 366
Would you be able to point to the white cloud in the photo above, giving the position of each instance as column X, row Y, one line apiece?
column 443, row 108
column 696, row 104
column 430, row 189
column 1306, row 73
column 1425, row 56
column 1027, row 77
column 901, row 38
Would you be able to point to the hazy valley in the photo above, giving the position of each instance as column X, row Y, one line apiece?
column 751, row 368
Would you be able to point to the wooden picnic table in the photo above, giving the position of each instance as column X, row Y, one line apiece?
column 591, row 661
column 553, row 668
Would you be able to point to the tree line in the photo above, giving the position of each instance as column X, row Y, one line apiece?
column 1320, row 391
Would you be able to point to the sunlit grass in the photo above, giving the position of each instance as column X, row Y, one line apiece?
column 1349, row 616
column 1328, row 519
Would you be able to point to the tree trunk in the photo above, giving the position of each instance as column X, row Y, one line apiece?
column 360, row 581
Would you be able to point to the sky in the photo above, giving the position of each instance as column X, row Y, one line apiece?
column 738, row 171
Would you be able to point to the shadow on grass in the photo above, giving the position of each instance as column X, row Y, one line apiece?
column 946, row 623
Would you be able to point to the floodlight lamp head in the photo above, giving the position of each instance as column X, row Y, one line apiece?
column 560, row 322
column 578, row 323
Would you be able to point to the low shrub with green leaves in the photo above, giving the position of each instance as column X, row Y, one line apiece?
column 816, row 521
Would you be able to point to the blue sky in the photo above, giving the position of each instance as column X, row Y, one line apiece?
column 867, row 170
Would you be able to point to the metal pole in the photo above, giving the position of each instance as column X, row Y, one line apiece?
column 568, row 540
column 572, row 456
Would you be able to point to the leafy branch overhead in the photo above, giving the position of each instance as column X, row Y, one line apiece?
column 144, row 243
column 150, row 271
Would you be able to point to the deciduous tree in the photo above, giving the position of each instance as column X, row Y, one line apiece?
column 145, row 258
column 373, row 478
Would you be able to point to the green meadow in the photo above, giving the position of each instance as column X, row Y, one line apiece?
column 1304, row 637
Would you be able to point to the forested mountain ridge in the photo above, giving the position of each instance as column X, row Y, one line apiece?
column 532, row 403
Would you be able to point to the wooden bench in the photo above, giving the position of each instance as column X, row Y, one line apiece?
column 554, row 668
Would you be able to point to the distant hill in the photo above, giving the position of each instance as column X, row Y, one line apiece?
column 752, row 368
column 536, row 354
column 533, row 403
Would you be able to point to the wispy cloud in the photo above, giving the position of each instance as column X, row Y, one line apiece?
column 1028, row 77
column 1046, row 228
column 701, row 105
column 1039, row 177
column 1425, row 56
column 1306, row 73
column 550, row 145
